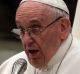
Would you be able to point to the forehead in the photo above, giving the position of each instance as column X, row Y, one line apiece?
column 34, row 10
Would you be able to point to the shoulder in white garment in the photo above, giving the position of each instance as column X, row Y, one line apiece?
column 71, row 63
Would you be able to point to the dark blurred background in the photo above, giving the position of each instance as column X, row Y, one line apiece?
column 7, row 15
column 9, row 45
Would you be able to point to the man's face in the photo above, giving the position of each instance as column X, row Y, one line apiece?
column 39, row 45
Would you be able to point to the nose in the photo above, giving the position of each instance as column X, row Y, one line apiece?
column 27, row 39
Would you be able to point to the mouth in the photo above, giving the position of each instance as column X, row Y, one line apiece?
column 33, row 51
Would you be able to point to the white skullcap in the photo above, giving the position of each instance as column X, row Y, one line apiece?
column 56, row 3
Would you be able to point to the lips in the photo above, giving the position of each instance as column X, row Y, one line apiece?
column 33, row 51
column 33, row 54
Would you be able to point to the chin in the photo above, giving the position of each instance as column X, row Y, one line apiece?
column 37, row 65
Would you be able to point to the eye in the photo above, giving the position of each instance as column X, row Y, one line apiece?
column 35, row 29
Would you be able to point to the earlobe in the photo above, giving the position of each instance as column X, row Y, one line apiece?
column 65, row 28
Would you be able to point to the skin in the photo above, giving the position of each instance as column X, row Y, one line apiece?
column 48, row 42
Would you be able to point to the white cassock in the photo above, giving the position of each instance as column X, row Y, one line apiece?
column 65, row 61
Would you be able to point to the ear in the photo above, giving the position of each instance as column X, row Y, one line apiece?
column 65, row 28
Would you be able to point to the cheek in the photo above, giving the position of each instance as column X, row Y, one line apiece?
column 50, row 44
column 50, row 39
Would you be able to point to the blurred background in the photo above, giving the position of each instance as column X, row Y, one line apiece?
column 9, row 44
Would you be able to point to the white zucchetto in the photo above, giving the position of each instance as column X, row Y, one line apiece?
column 56, row 3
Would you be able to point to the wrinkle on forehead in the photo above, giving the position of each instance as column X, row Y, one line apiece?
column 36, row 10
column 30, row 8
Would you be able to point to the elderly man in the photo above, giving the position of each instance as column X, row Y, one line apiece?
column 45, row 32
